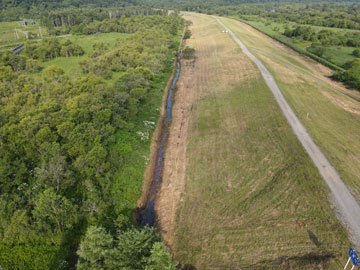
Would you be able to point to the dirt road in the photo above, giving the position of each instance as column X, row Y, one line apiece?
column 346, row 206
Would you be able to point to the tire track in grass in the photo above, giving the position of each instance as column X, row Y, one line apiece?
column 346, row 206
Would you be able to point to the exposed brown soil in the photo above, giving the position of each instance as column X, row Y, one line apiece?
column 155, row 143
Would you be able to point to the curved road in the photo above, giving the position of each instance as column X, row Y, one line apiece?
column 345, row 204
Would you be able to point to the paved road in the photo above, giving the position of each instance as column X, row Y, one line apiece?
column 347, row 208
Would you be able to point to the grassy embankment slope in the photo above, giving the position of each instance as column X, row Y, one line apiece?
column 339, row 54
column 248, row 195
column 331, row 118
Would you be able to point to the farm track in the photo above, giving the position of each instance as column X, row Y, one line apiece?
column 346, row 205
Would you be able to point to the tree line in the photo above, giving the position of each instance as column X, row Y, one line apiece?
column 325, row 37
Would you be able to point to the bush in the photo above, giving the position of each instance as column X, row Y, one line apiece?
column 32, row 258
column 356, row 52
column 188, row 53
column 317, row 49
column 187, row 34
column 32, row 66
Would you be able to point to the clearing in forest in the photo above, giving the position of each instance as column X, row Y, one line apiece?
column 239, row 191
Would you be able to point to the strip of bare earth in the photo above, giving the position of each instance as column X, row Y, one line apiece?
column 346, row 205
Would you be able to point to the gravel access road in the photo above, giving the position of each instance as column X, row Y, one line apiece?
column 346, row 206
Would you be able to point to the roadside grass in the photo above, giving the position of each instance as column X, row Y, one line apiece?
column 252, row 197
column 331, row 118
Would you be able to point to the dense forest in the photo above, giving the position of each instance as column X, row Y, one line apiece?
column 69, row 172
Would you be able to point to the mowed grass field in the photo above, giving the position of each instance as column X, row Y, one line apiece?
column 331, row 118
column 251, row 197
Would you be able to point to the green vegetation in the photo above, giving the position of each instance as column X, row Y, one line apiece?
column 73, row 154
column 13, row 33
column 51, row 48
column 188, row 53
column 129, row 249
column 90, row 45
column 290, row 43
column 77, row 113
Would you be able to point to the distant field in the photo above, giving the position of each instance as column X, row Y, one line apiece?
column 339, row 55
column 248, row 196
column 71, row 64
column 332, row 119
column 9, row 37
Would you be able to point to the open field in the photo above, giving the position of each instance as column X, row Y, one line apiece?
column 8, row 35
column 246, row 194
column 71, row 64
column 331, row 118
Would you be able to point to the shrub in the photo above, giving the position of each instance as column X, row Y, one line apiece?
column 187, row 34
column 188, row 53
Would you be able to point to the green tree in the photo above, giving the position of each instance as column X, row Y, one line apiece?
column 52, row 73
column 160, row 258
column 135, row 247
column 54, row 172
column 96, row 250
column 32, row 66
column 54, row 211
column 187, row 34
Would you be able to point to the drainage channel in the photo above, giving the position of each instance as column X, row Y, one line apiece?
column 147, row 214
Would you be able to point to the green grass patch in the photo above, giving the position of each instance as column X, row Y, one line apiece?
column 8, row 35
column 71, row 65
column 340, row 55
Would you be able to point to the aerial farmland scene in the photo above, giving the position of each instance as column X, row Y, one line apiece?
column 179, row 134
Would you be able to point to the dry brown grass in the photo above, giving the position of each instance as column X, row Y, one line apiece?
column 238, row 190
column 332, row 118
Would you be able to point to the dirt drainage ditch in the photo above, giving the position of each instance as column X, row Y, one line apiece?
column 147, row 214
